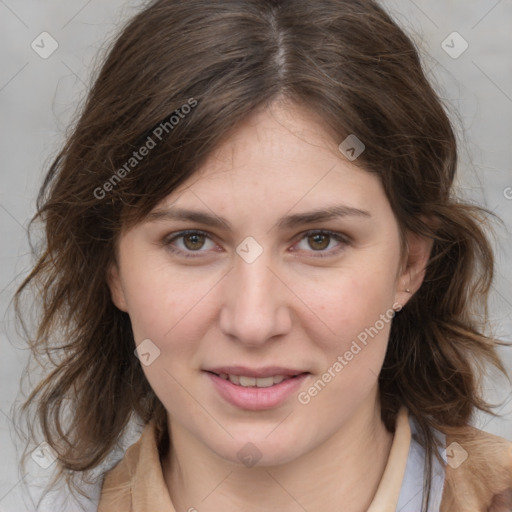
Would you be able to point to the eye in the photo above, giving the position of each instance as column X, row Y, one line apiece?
column 320, row 240
column 189, row 241
column 186, row 243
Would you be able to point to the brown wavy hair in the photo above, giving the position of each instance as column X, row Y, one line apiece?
column 345, row 60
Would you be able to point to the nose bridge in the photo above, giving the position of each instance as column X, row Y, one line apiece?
column 254, row 308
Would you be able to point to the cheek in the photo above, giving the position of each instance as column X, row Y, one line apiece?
column 161, row 299
column 360, row 313
column 173, row 311
column 350, row 301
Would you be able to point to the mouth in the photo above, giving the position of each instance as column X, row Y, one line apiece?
column 247, row 381
column 256, row 389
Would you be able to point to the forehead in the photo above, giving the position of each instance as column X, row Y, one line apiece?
column 284, row 128
column 282, row 155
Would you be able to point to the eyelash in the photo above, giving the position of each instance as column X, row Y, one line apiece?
column 190, row 254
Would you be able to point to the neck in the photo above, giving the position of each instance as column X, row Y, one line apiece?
column 341, row 473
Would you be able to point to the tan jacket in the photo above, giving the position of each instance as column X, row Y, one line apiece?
column 478, row 475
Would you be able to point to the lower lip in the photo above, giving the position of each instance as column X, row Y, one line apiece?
column 253, row 398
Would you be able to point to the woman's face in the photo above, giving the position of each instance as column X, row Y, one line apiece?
column 290, row 268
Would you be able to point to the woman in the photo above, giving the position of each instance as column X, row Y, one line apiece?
column 253, row 246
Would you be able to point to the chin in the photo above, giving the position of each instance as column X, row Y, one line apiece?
column 257, row 450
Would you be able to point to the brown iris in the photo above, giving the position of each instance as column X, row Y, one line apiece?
column 196, row 241
column 319, row 238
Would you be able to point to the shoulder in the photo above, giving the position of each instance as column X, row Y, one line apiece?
column 478, row 472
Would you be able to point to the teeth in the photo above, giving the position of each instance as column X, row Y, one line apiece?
column 235, row 379
column 245, row 381
column 242, row 380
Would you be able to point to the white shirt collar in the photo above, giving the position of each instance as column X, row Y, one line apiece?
column 411, row 492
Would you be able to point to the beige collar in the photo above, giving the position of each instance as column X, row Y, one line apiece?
column 388, row 492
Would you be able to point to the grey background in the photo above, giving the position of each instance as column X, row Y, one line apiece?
column 38, row 98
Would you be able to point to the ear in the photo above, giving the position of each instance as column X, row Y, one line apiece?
column 116, row 288
column 413, row 269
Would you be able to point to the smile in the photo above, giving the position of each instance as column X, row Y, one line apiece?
column 255, row 393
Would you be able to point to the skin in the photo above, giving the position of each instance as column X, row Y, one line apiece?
column 290, row 307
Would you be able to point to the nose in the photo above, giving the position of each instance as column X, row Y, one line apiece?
column 256, row 306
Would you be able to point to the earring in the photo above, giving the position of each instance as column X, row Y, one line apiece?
column 407, row 290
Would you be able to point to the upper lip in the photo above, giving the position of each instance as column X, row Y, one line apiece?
column 267, row 371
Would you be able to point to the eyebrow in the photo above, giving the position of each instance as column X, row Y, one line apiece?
column 286, row 222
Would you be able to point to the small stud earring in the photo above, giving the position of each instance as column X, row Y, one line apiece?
column 407, row 290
